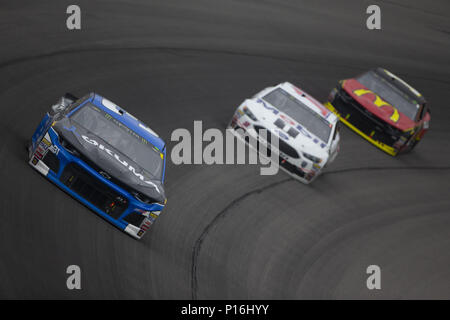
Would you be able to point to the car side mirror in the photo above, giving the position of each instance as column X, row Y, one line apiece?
column 62, row 104
column 59, row 106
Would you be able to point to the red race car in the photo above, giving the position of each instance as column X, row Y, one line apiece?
column 383, row 109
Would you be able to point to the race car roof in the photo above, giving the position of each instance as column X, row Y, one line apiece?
column 272, row 113
column 124, row 117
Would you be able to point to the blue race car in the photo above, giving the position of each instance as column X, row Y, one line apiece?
column 104, row 157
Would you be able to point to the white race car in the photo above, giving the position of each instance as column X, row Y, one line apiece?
column 308, row 133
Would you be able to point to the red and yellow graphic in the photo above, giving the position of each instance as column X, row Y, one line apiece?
column 377, row 105
column 379, row 102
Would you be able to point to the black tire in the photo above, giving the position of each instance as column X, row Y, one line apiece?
column 27, row 146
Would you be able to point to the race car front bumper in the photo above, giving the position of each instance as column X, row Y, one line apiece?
column 364, row 123
column 306, row 174
column 386, row 148
column 90, row 187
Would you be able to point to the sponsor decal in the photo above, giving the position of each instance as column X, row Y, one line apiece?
column 118, row 159
column 145, row 225
column 72, row 129
column 44, row 146
column 282, row 134
column 154, row 216
column 302, row 130
column 41, row 149
column 275, row 111
column 287, row 119
column 54, row 149
column 46, row 142
column 379, row 102
column 38, row 155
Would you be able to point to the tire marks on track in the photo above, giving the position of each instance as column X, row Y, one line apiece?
column 217, row 218
column 211, row 225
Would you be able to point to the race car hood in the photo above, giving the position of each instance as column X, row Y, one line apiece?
column 109, row 159
column 304, row 141
column 377, row 105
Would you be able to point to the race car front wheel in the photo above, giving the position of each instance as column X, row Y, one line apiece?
column 27, row 146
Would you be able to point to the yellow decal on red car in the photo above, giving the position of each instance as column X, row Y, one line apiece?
column 379, row 102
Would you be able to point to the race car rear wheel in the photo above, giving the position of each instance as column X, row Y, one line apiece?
column 413, row 145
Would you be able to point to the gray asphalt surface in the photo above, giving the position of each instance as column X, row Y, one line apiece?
column 227, row 232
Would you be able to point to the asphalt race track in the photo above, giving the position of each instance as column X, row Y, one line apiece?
column 227, row 232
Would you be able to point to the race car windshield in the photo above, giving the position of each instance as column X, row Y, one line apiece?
column 121, row 138
column 294, row 108
column 389, row 93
